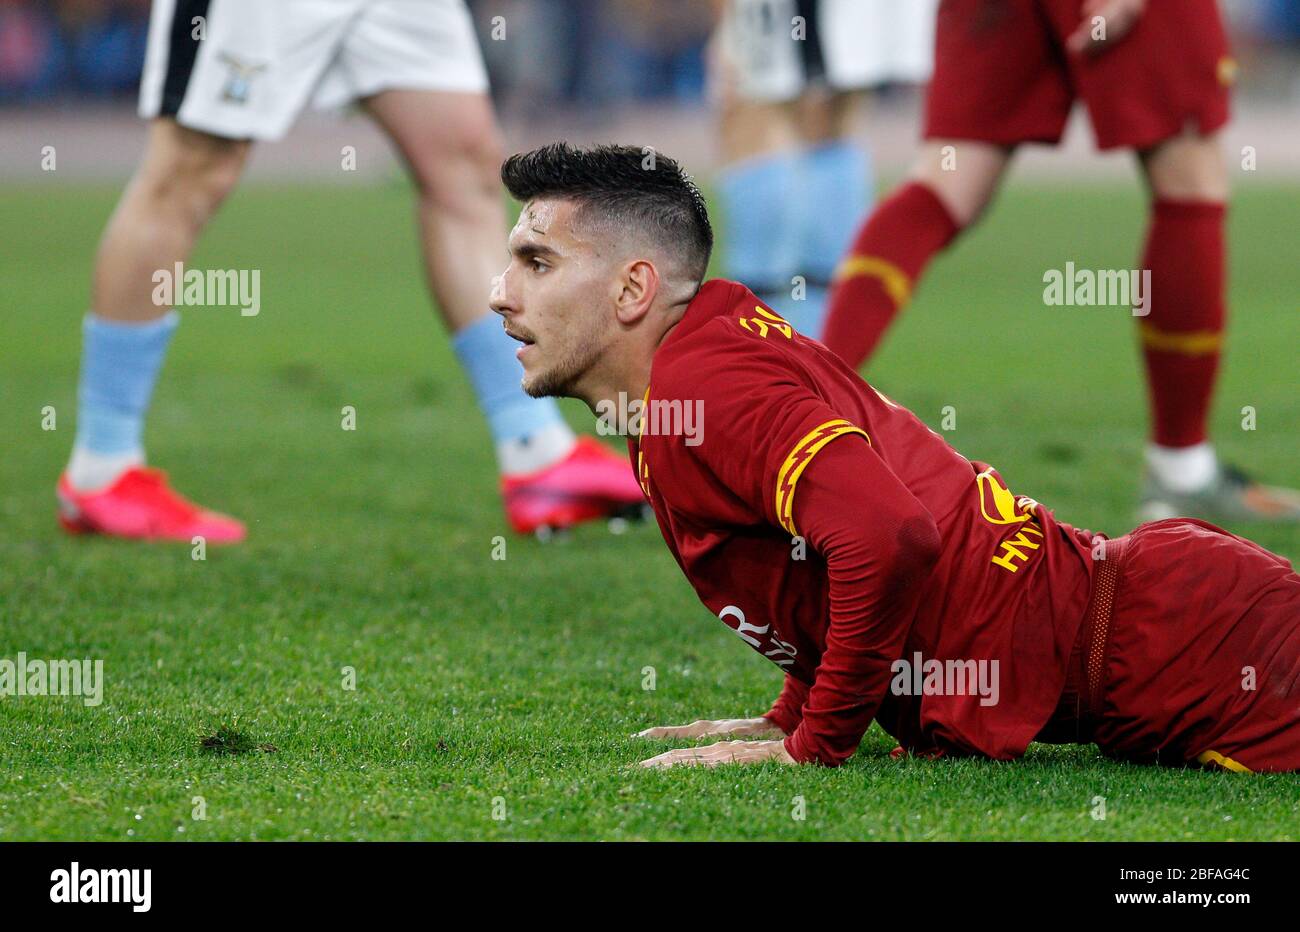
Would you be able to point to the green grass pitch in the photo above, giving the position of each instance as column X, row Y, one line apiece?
column 494, row 699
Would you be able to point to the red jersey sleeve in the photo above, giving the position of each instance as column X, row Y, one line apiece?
column 787, row 712
column 878, row 542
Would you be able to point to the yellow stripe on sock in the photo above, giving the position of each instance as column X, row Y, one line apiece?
column 1227, row 763
column 1190, row 343
column 896, row 282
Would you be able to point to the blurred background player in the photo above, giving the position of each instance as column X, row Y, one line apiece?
column 790, row 79
column 221, row 73
column 1155, row 78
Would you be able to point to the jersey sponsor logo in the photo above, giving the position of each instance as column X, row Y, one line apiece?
column 781, row 653
column 1015, row 552
column 999, row 506
column 797, row 461
column 765, row 321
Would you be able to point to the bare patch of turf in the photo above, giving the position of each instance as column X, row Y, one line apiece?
column 227, row 740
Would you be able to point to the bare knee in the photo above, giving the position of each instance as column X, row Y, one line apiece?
column 963, row 175
column 190, row 173
column 1187, row 168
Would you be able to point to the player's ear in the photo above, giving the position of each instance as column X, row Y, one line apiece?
column 639, row 286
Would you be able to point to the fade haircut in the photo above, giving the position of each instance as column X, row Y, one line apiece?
column 621, row 188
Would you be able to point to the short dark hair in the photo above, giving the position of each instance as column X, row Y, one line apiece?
column 636, row 188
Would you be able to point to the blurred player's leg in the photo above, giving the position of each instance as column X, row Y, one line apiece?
column 208, row 86
column 1182, row 339
column 789, row 75
column 184, row 177
column 997, row 82
column 950, row 186
column 794, row 187
column 1163, row 90
column 862, row 44
column 758, row 75
column 451, row 147
column 422, row 80
column 758, row 189
column 836, row 189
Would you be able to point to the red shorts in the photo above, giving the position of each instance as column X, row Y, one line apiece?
column 1002, row 74
column 1196, row 657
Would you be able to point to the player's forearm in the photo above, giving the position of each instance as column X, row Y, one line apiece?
column 879, row 544
column 855, row 669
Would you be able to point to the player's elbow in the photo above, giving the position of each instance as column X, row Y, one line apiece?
column 919, row 548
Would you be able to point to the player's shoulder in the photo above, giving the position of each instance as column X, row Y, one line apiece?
column 726, row 332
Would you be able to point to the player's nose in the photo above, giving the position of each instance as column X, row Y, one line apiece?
column 498, row 300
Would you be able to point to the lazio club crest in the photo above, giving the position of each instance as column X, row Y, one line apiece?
column 239, row 83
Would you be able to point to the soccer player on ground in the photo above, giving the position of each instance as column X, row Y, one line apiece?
column 1155, row 78
column 846, row 541
column 221, row 73
column 790, row 78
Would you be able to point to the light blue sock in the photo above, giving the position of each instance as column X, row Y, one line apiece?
column 488, row 357
column 119, row 366
column 760, row 223
column 837, row 194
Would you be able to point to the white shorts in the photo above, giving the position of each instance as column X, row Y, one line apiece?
column 775, row 50
column 259, row 62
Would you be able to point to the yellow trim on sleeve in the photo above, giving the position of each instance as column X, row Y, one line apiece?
column 1227, row 763
column 797, row 461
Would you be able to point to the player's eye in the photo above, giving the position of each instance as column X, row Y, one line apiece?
column 537, row 265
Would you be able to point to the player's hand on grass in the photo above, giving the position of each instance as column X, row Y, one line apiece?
column 1117, row 17
column 737, row 727
column 724, row 752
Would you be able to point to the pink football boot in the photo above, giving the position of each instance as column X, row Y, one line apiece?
column 141, row 505
column 592, row 482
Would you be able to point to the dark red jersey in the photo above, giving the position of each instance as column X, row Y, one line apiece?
column 787, row 488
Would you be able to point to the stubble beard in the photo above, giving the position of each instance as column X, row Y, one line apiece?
column 560, row 380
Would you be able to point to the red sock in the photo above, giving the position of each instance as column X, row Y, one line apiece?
column 1181, row 336
column 875, row 280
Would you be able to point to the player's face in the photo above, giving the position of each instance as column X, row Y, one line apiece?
column 549, row 297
